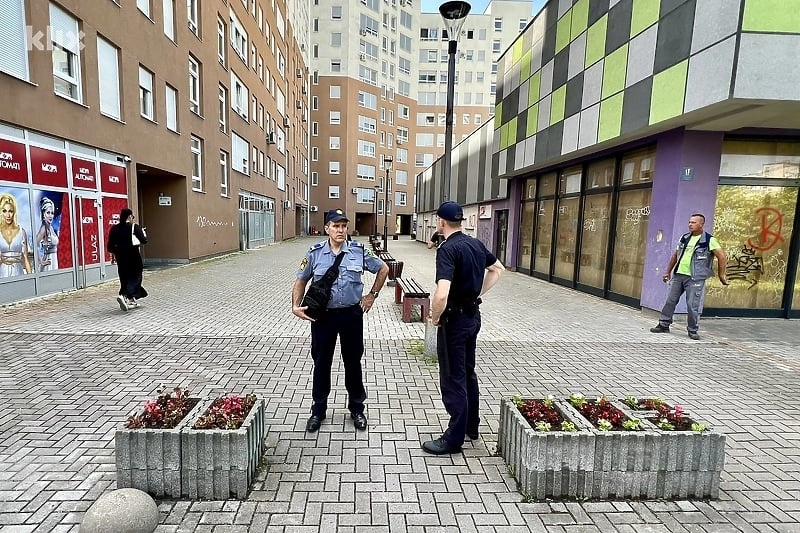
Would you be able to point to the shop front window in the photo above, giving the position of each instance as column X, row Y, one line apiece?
column 754, row 226
column 526, row 235
column 630, row 242
column 544, row 236
column 594, row 240
column 566, row 238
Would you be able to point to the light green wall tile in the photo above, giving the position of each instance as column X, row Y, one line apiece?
column 557, row 104
column 645, row 14
column 580, row 17
column 511, row 135
column 614, row 69
column 532, row 120
column 525, row 67
column 596, row 41
column 533, row 88
column 669, row 91
column 610, row 118
column 517, row 50
column 562, row 31
column 498, row 114
column 771, row 16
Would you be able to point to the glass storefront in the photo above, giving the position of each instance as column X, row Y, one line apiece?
column 630, row 242
column 526, row 226
column 594, row 239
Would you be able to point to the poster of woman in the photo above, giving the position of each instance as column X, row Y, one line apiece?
column 16, row 254
column 46, row 240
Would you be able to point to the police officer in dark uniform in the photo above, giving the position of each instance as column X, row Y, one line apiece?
column 344, row 316
column 465, row 270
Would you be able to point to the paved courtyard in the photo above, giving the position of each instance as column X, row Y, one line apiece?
column 73, row 367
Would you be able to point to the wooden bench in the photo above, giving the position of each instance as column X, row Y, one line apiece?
column 412, row 293
column 385, row 256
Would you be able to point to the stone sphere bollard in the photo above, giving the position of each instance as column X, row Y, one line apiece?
column 121, row 511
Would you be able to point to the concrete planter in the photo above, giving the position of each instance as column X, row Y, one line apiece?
column 150, row 459
column 218, row 463
column 610, row 464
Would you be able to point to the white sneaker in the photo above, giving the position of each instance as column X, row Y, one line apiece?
column 122, row 303
column 133, row 303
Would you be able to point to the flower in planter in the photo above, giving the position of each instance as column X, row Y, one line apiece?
column 542, row 414
column 603, row 414
column 577, row 400
column 648, row 404
column 165, row 412
column 675, row 419
column 227, row 412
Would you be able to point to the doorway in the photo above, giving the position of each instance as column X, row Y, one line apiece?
column 501, row 235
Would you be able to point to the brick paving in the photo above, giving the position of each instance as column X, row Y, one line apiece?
column 74, row 366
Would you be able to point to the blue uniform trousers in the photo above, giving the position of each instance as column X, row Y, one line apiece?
column 348, row 324
column 456, row 340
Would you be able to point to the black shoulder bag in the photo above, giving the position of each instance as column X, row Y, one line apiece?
column 319, row 292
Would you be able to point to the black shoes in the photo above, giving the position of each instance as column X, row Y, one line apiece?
column 314, row 422
column 359, row 421
column 440, row 447
column 694, row 336
column 660, row 329
column 473, row 436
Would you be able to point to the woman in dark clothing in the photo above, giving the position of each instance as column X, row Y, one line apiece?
column 122, row 243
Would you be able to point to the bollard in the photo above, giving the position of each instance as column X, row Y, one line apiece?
column 121, row 511
column 430, row 338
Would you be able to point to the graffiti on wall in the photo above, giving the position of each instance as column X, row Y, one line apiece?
column 770, row 234
column 634, row 215
column 204, row 222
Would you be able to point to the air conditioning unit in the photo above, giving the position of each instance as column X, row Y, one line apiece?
column 286, row 122
column 355, row 190
column 299, row 73
column 271, row 137
column 313, row 208
column 287, row 204
column 362, row 57
column 298, row 104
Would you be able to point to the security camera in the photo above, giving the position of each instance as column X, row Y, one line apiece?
column 127, row 159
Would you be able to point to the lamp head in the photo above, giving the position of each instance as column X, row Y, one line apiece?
column 454, row 14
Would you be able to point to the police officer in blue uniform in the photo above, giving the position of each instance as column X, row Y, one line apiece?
column 344, row 316
column 465, row 270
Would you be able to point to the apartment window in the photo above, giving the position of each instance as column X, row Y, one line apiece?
column 315, row 51
column 144, row 7
column 336, row 40
column 335, row 117
column 253, row 55
column 261, row 116
column 333, row 191
column 401, row 178
column 315, row 103
column 108, row 82
column 466, row 118
column 260, row 68
column 194, row 85
column 239, row 96
column 479, row 76
column 222, row 111
column 171, row 103
column 314, row 153
column 368, row 100
column 403, row 111
column 197, row 164
column 333, row 167
column 478, row 120
column 146, row 93
column 336, row 65
column 366, row 148
column 365, row 172
column 221, row 42
column 261, row 162
column 241, row 149
column 336, row 12
column 334, row 143
column 254, row 110
column 498, row 24
column 169, row 19
column 315, row 128
column 66, row 53
column 522, row 24
column 315, row 179
column 404, row 65
column 405, row 19
column 402, row 156
column 424, row 139
column 496, row 46
column 405, row 43
column 400, row 198
column 223, row 173
column 367, row 124
column 336, row 91
column 238, row 38
column 403, row 89
column 255, row 158
column 13, row 46
column 192, row 9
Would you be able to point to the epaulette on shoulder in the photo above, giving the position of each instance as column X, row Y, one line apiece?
column 356, row 244
column 317, row 246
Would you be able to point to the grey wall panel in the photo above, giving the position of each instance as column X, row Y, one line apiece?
column 544, row 113
column 641, row 55
column 529, row 147
column 713, row 21
column 546, row 86
column 17, row 291
column 592, row 84
column 709, row 77
column 569, row 143
column 762, row 70
column 674, row 37
column 577, row 56
column 590, row 119
column 522, row 99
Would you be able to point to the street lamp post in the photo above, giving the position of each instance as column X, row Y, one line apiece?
column 387, row 163
column 454, row 14
column 375, row 206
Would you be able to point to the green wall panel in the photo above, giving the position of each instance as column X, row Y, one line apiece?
column 614, row 71
column 645, row 14
column 533, row 120
column 511, row 134
column 534, row 87
column 669, row 91
column 610, row 118
column 596, row 41
column 517, row 50
column 525, row 67
column 557, row 104
column 580, row 18
column 563, row 31
column 498, row 114
column 772, row 16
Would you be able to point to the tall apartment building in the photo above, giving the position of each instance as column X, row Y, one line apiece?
column 194, row 113
column 379, row 90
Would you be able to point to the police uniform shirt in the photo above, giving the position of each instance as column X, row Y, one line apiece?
column 348, row 287
column 463, row 260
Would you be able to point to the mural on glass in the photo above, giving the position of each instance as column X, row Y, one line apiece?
column 754, row 226
column 16, row 252
column 52, row 245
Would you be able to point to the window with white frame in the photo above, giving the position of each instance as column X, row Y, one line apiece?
column 368, row 75
column 334, row 143
column 401, row 178
column 222, row 111
column 497, row 46
column 478, row 120
column 108, row 81
column 406, row 20
column 66, row 53
column 390, row 140
column 424, row 139
column 466, row 118
column 146, row 93
column 366, row 148
column 440, row 139
column 403, row 111
column 222, row 43
column 479, row 76
column 193, row 15
column 402, row 134
column 254, row 109
column 238, row 38
column 405, row 43
column 365, row 172
column 522, row 24
column 194, row 85
column 400, row 198
column 365, row 195
column 404, row 65
column 261, row 162
column 402, row 155
column 369, row 50
column 280, row 176
column 336, row 40
column 144, row 7
column 333, row 191
column 333, row 167
column 239, row 96
column 315, row 179
column 335, row 117
column 336, row 91
column 223, row 173
column 13, row 46
column 171, row 104
column 315, row 103
column 429, row 34
column 367, row 124
column 169, row 19
column 498, row 24
column 254, row 158
column 315, row 128
column 368, row 100
column 426, row 119
column 314, row 153
column 336, row 65
column 478, row 98
column 241, row 151
column 336, row 13
column 197, row 163
column 482, row 34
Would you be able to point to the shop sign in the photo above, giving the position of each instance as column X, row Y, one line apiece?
column 13, row 163
column 83, row 174
column 112, row 179
column 48, row 168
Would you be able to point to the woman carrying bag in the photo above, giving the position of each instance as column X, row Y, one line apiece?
column 124, row 240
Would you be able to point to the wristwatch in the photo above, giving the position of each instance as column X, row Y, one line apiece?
column 374, row 293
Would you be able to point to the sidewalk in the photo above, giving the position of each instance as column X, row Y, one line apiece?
column 74, row 366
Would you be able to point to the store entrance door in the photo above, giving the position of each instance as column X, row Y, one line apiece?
column 89, row 268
